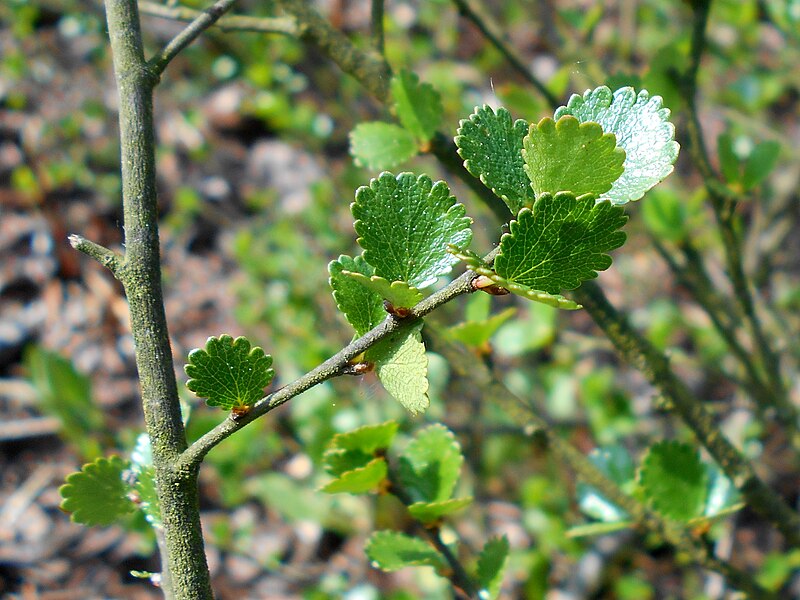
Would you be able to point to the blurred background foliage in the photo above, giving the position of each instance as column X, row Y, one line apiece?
column 255, row 186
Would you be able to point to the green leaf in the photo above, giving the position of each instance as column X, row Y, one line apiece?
column 721, row 495
column 228, row 373
column 616, row 464
column 399, row 293
column 379, row 146
column 760, row 163
column 491, row 146
column 560, row 243
column 430, row 465
column 665, row 214
column 492, row 564
column 476, row 264
column 361, row 480
column 145, row 473
column 392, row 551
column 97, row 494
column 430, row 512
column 570, row 156
column 478, row 333
column 367, row 438
column 418, row 105
column 405, row 223
column 402, row 367
column 674, row 480
column 362, row 307
column 729, row 163
column 643, row 130
column 337, row 461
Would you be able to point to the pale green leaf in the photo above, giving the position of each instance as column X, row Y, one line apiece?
column 491, row 146
column 729, row 163
column 430, row 512
column 430, row 465
column 359, row 481
column 674, row 480
column 228, row 373
column 642, row 128
column 405, row 223
column 478, row 333
column 569, row 156
column 492, row 564
column 379, row 145
column 418, row 105
column 145, row 473
column 97, row 494
column 402, row 367
column 362, row 307
column 338, row 461
column 560, row 243
column 398, row 293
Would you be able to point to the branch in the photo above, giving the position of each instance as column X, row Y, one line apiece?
column 522, row 412
column 467, row 12
column 108, row 258
column 279, row 25
column 333, row 367
column 203, row 21
column 655, row 367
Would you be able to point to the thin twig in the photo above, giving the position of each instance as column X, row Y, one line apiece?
column 192, row 31
column 468, row 13
column 278, row 25
column 108, row 258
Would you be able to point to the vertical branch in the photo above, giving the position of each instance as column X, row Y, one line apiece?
column 724, row 206
column 140, row 274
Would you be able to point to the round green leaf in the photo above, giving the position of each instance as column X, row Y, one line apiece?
column 560, row 243
column 675, row 480
column 97, row 494
column 405, row 223
column 418, row 105
column 491, row 146
column 379, row 146
column 569, row 156
column 228, row 373
column 392, row 551
column 642, row 128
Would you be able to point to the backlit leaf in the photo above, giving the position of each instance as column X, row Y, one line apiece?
column 402, row 367
column 430, row 512
column 392, row 551
column 418, row 105
column 379, row 145
column 361, row 480
column 399, row 293
column 97, row 494
column 642, row 128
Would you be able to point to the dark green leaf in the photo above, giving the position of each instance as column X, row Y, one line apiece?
column 560, row 243
column 362, row 307
column 643, row 130
column 491, row 146
column 379, row 146
column 228, row 373
column 418, row 105
column 97, row 495
column 392, row 551
column 674, row 480
column 570, row 156
column 405, row 223
column 492, row 564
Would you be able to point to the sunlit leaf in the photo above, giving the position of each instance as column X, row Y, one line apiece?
column 392, row 551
